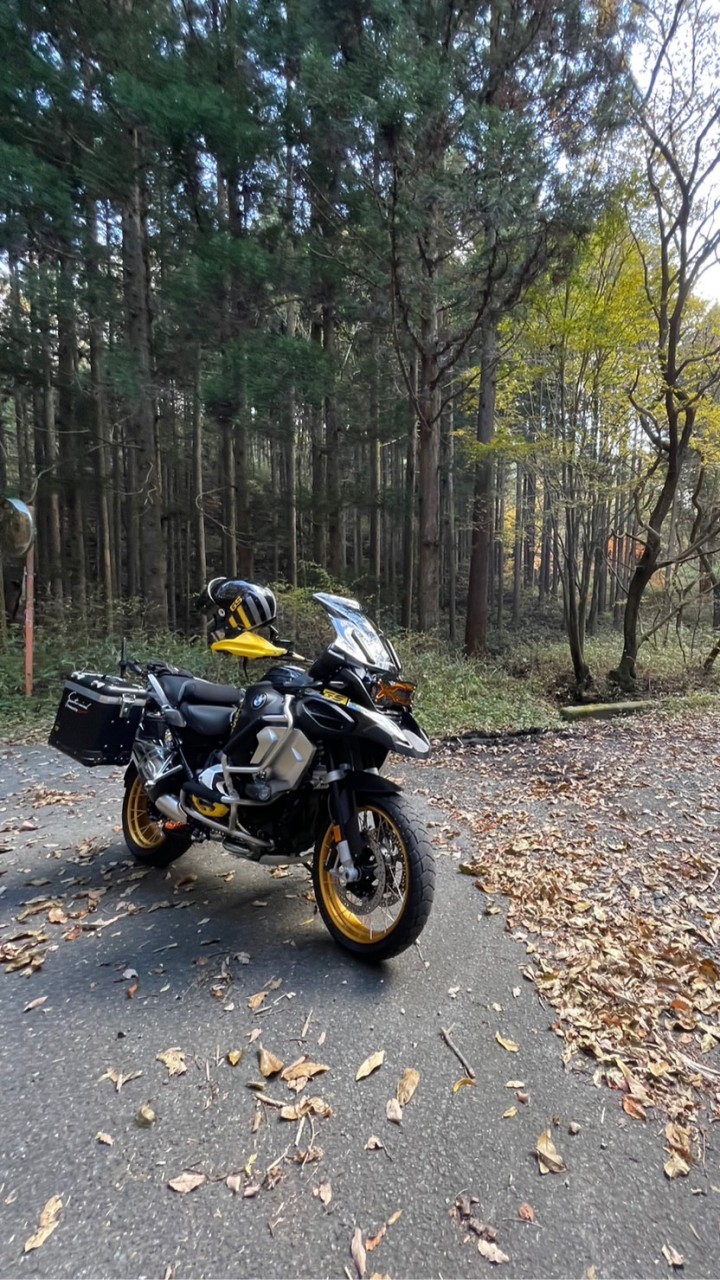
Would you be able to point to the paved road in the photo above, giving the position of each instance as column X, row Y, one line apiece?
column 612, row 1210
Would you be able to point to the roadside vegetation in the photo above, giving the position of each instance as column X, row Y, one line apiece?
column 520, row 684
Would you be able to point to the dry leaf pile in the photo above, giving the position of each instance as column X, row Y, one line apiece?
column 611, row 864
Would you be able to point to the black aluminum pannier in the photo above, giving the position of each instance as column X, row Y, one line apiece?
column 97, row 719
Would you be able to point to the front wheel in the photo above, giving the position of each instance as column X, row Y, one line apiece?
column 383, row 912
column 145, row 835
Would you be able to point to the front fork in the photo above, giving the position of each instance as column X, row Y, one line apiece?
column 346, row 830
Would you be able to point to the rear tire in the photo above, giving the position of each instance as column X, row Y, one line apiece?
column 145, row 835
column 400, row 879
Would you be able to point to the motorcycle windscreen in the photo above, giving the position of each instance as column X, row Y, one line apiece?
column 357, row 638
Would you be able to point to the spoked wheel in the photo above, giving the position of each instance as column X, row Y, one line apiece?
column 383, row 912
column 145, row 836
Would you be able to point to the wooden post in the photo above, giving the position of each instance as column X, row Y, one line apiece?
column 29, row 612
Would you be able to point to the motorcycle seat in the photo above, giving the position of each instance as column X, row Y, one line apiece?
column 179, row 689
column 211, row 722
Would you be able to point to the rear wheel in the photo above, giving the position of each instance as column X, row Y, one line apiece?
column 145, row 835
column 383, row 912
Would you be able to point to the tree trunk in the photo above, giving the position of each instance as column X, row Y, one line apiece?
column 476, row 623
column 153, row 568
column 335, row 530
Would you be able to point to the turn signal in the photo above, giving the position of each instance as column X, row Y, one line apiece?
column 394, row 693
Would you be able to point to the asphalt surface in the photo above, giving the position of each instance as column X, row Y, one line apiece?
column 612, row 1210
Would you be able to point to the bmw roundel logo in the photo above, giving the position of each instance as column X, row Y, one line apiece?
column 259, row 700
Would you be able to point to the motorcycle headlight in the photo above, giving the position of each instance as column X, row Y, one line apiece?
column 394, row 693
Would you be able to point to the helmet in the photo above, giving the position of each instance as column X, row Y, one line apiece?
column 245, row 605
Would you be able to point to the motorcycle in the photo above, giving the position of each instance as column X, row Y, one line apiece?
column 287, row 770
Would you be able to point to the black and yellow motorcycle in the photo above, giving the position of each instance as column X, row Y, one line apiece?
column 287, row 769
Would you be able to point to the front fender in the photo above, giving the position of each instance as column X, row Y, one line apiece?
column 364, row 783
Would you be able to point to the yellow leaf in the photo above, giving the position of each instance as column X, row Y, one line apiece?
column 174, row 1060
column 234, row 1056
column 370, row 1064
column 105, row 1138
column 257, row 1000
column 269, row 1064
column 409, row 1082
column 303, row 1069
column 508, row 1115
column 510, row 1045
column 250, row 1163
column 394, row 1217
column 145, row 1117
column 515, row 1084
column 549, row 1158
column 676, row 1167
column 463, row 1081
column 49, row 1219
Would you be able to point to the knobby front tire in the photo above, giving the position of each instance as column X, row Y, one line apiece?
column 387, row 911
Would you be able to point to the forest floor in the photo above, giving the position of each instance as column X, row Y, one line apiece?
column 574, row 966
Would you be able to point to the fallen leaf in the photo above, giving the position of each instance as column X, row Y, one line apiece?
column 49, row 1219
column 324, row 1191
column 526, row 1213
column 672, row 1256
column 374, row 1144
column 633, row 1108
column 394, row 1111
column 303, row 1069
column 394, row 1217
column 679, row 1138
column 676, row 1167
column 370, row 1064
column 145, row 1117
column 35, row 1004
column 174, row 1060
column 508, row 1115
column 357, row 1250
column 187, row 1181
column 490, row 1251
column 515, row 1084
column 409, row 1082
column 234, row 1183
column 372, row 1242
column 460, row 1083
column 307, row 1107
column 105, row 1139
column 309, row 1155
column 574, row 1128
column 510, row 1045
column 549, row 1158
column 255, row 1002
column 133, row 990
column 269, row 1064
column 234, row 1056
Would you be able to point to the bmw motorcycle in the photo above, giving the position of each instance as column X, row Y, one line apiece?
column 289, row 770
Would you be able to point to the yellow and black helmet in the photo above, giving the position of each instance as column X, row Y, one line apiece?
column 241, row 606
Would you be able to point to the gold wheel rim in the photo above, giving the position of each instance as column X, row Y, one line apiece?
column 143, row 830
column 357, row 928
